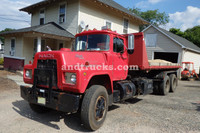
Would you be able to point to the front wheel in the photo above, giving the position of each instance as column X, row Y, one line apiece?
column 94, row 107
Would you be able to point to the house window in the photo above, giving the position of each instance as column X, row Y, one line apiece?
column 12, row 48
column 125, row 29
column 150, row 40
column 42, row 17
column 108, row 24
column 62, row 13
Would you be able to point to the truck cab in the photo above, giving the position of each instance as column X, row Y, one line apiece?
column 93, row 75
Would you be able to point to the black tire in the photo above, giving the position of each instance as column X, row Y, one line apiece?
column 173, row 82
column 164, row 86
column 92, row 116
column 39, row 109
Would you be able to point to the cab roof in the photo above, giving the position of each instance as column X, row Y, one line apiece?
column 94, row 31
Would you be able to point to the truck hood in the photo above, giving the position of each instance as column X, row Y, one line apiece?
column 73, row 58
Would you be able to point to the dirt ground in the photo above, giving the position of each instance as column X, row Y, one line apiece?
column 177, row 112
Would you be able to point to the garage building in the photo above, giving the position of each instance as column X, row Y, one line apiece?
column 162, row 44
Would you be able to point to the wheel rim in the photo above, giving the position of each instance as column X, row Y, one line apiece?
column 100, row 108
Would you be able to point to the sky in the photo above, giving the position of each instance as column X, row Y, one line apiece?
column 183, row 14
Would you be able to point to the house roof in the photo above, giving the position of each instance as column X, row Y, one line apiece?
column 184, row 43
column 110, row 3
column 121, row 8
column 49, row 28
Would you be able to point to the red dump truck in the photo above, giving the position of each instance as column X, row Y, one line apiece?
column 102, row 68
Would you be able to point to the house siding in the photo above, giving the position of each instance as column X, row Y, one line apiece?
column 52, row 15
column 28, row 49
column 163, row 44
column 18, row 46
column 133, row 28
column 189, row 56
column 96, row 15
column 35, row 18
column 7, row 46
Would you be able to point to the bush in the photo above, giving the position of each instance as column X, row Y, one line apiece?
column 1, row 61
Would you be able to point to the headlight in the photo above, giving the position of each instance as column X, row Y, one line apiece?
column 70, row 78
column 28, row 74
column 73, row 78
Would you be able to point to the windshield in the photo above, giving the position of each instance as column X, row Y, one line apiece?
column 96, row 42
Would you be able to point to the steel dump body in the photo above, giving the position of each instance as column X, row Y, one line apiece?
column 139, row 57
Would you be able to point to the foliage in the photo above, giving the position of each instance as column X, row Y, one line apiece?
column 177, row 32
column 1, row 61
column 7, row 29
column 191, row 34
column 137, row 11
column 152, row 16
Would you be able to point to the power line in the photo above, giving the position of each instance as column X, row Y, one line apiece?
column 11, row 15
column 9, row 19
column 20, row 15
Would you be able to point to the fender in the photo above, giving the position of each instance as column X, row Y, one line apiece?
column 86, row 80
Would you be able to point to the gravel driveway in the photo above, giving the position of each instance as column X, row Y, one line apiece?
column 177, row 112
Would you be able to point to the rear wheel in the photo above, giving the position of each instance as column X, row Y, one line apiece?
column 164, row 86
column 94, row 107
column 173, row 82
column 39, row 109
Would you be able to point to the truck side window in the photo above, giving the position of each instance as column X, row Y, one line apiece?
column 118, row 45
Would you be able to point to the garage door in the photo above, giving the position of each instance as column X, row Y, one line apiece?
column 172, row 57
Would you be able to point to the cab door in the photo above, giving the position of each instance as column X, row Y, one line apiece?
column 120, row 59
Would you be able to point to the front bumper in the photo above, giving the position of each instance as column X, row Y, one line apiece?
column 60, row 101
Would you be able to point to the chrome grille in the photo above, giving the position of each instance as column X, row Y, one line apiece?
column 44, row 68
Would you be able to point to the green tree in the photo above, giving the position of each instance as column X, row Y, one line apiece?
column 191, row 34
column 152, row 16
column 7, row 29
column 177, row 32
column 137, row 11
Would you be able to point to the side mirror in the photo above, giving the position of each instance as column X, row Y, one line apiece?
column 131, row 44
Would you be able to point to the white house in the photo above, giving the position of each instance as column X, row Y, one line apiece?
column 54, row 24
column 162, row 44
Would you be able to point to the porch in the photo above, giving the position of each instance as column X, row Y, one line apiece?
column 21, row 45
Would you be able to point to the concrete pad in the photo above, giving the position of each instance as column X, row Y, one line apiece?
column 17, row 79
